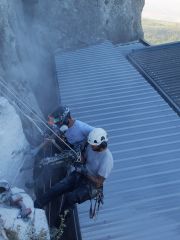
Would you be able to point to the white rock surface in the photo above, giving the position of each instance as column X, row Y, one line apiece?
column 35, row 227
column 13, row 144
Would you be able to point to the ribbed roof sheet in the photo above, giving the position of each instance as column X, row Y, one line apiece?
column 142, row 195
column 161, row 65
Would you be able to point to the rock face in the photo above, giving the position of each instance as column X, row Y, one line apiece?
column 13, row 144
column 13, row 227
column 31, row 30
column 122, row 19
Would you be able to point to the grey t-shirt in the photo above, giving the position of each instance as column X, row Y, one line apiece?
column 78, row 132
column 99, row 163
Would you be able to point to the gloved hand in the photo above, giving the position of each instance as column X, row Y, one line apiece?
column 82, row 170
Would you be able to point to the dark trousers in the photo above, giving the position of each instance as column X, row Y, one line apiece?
column 76, row 188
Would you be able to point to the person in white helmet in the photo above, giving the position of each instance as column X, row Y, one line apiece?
column 82, row 183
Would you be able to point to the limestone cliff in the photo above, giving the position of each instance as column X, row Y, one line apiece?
column 31, row 30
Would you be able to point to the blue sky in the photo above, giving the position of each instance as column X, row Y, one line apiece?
column 166, row 10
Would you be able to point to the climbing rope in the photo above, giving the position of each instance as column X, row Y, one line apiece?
column 36, row 120
column 30, row 110
column 93, row 211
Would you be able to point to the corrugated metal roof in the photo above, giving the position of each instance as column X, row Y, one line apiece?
column 142, row 195
column 161, row 65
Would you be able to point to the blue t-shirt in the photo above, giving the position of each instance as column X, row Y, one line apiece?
column 78, row 132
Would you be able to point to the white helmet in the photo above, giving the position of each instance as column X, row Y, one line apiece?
column 97, row 136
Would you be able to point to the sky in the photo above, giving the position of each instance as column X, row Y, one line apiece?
column 166, row 10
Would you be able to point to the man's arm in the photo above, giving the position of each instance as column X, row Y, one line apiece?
column 98, row 180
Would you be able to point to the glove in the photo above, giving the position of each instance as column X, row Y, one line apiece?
column 82, row 170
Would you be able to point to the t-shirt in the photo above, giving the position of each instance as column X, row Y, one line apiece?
column 78, row 132
column 99, row 163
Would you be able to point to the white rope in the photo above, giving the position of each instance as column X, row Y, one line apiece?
column 30, row 119
column 28, row 108
column 17, row 106
column 14, row 94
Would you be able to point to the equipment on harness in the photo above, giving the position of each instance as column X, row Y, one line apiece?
column 99, row 199
column 66, row 156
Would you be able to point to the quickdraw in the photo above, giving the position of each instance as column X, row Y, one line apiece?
column 99, row 199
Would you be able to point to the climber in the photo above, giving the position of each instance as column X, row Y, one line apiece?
column 88, row 177
column 75, row 131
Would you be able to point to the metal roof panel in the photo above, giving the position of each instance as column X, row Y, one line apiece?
column 161, row 66
column 142, row 195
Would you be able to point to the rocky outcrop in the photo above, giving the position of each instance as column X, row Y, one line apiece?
column 30, row 31
column 80, row 23
column 122, row 19
column 14, row 227
column 13, row 144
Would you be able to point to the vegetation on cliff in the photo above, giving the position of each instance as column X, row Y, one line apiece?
column 156, row 32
